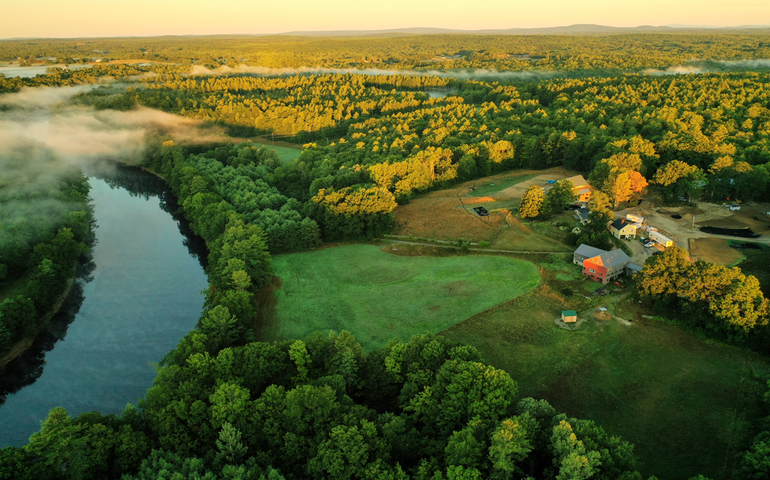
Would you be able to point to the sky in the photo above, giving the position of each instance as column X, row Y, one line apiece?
column 95, row 18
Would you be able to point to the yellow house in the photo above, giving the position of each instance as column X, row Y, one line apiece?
column 582, row 188
column 568, row 316
column 621, row 229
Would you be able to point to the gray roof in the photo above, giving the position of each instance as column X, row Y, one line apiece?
column 583, row 212
column 614, row 258
column 589, row 251
column 634, row 267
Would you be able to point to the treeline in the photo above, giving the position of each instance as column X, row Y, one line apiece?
column 44, row 230
column 323, row 408
column 707, row 296
column 426, row 52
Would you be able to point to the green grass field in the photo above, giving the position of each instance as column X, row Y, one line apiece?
column 286, row 154
column 378, row 296
column 681, row 400
column 489, row 188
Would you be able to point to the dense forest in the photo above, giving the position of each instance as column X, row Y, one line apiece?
column 225, row 406
column 45, row 230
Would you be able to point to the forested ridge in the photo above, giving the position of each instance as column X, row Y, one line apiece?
column 226, row 406
column 628, row 52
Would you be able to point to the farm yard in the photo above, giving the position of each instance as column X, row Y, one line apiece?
column 378, row 296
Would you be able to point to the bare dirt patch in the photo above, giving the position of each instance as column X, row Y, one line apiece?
column 445, row 218
column 447, row 214
column 714, row 250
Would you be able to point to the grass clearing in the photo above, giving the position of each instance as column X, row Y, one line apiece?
column 499, row 184
column 378, row 296
column 287, row 152
column 654, row 384
column 521, row 236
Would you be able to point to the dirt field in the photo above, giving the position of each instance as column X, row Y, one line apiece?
column 448, row 215
column 714, row 250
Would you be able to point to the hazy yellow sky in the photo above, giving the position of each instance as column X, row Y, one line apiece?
column 91, row 18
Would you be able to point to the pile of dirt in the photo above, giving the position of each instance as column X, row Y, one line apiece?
column 602, row 315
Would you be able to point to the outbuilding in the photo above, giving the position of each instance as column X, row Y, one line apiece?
column 569, row 316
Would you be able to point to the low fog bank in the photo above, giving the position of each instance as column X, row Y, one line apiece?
column 759, row 63
column 457, row 74
column 676, row 70
column 713, row 66
column 43, row 139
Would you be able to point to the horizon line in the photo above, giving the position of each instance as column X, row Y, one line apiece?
column 416, row 31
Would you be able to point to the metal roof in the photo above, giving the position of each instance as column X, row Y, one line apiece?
column 614, row 258
column 634, row 267
column 589, row 251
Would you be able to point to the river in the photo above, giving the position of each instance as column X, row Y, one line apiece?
column 142, row 298
column 25, row 72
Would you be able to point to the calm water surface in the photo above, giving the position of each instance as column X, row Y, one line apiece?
column 26, row 72
column 144, row 297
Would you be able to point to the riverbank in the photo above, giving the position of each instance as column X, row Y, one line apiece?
column 144, row 297
column 22, row 345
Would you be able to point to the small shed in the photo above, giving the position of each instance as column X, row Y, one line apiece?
column 569, row 316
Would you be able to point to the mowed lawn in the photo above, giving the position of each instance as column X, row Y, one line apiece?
column 378, row 296
column 682, row 401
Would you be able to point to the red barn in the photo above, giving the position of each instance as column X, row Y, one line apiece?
column 605, row 267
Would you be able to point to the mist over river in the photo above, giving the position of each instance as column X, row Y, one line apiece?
column 144, row 296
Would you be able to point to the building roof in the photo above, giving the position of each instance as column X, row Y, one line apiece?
column 611, row 259
column 584, row 190
column 619, row 223
column 634, row 267
column 614, row 258
column 583, row 212
column 589, row 251
column 569, row 313
column 578, row 181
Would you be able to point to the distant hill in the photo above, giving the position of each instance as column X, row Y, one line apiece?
column 561, row 30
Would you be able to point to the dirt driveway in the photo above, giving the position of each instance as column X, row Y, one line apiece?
column 681, row 230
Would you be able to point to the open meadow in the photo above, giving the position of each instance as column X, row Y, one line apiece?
column 378, row 296
column 652, row 383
